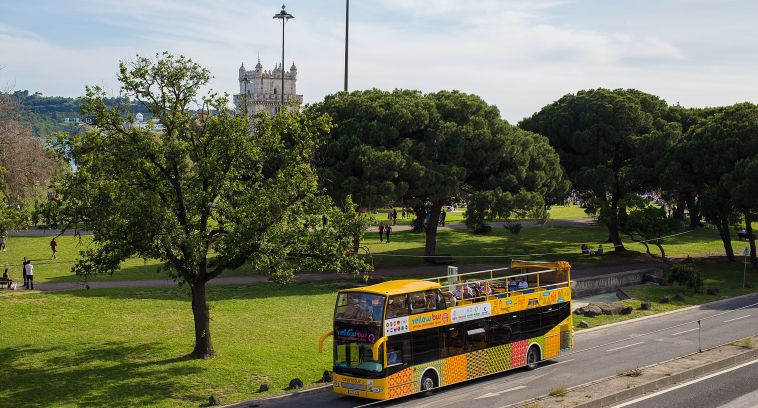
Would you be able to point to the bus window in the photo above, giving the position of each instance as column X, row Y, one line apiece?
column 422, row 302
column 398, row 350
column 476, row 335
column 359, row 306
column 531, row 324
column 454, row 340
column 427, row 345
column 397, row 306
column 356, row 357
column 504, row 329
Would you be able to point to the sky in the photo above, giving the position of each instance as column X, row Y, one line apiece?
column 516, row 54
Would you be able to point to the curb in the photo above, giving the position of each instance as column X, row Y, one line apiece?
column 285, row 395
column 656, row 385
column 605, row 326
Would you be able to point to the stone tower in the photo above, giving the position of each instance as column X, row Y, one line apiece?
column 262, row 89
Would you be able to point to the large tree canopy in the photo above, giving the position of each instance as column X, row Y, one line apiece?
column 604, row 139
column 203, row 195
column 427, row 150
column 717, row 155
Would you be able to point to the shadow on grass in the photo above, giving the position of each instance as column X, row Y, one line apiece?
column 110, row 374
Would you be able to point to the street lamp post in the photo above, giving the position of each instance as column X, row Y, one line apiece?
column 284, row 16
column 347, row 25
column 744, row 268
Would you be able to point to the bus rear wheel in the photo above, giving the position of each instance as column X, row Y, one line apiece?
column 428, row 383
column 533, row 357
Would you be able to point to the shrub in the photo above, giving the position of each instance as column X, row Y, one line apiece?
column 514, row 228
column 558, row 391
column 685, row 274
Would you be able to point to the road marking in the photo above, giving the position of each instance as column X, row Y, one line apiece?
column 497, row 394
column 686, row 331
column 697, row 380
column 736, row 318
column 623, row 347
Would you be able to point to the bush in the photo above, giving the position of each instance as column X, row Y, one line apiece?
column 514, row 228
column 685, row 274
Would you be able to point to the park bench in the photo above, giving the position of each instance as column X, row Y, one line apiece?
column 5, row 283
column 440, row 259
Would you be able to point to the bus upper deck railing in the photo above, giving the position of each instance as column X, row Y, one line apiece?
column 490, row 286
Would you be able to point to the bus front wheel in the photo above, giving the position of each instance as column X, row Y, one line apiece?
column 428, row 383
column 532, row 357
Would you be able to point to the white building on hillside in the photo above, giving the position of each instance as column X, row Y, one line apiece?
column 263, row 89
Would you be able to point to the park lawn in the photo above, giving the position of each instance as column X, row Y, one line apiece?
column 725, row 276
column 107, row 347
column 543, row 243
column 557, row 212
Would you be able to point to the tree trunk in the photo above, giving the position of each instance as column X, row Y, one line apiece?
column 418, row 223
column 356, row 243
column 663, row 253
column 203, row 346
column 613, row 225
column 750, row 237
column 694, row 208
column 430, row 248
column 680, row 204
column 723, row 226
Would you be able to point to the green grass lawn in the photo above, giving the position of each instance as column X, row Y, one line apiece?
column 126, row 347
column 531, row 243
column 557, row 212
column 725, row 276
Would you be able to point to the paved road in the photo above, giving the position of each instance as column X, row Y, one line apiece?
column 598, row 354
column 731, row 388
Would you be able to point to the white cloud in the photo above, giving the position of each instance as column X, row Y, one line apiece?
column 517, row 54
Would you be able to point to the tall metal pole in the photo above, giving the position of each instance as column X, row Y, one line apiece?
column 283, row 61
column 284, row 16
column 347, row 26
column 744, row 268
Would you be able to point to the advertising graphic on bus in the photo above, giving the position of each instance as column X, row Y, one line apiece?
column 407, row 336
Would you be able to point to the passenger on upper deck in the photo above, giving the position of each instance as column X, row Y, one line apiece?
column 523, row 284
column 512, row 285
column 450, row 298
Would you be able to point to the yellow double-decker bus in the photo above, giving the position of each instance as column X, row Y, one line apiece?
column 406, row 336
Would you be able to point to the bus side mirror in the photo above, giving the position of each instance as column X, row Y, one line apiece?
column 375, row 348
column 322, row 339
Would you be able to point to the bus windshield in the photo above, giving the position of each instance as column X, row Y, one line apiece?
column 352, row 356
column 363, row 307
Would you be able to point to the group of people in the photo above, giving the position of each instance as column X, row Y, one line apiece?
column 589, row 251
column 384, row 230
column 471, row 291
column 392, row 216
column 27, row 273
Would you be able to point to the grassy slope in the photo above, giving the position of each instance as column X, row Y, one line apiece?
column 726, row 277
column 126, row 347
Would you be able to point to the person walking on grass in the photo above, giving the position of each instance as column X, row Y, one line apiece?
column 54, row 247
column 381, row 232
column 29, row 268
column 2, row 241
column 394, row 216
column 387, row 232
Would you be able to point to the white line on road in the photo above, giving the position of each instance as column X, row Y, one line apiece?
column 628, row 345
column 736, row 318
column 686, row 331
column 497, row 394
column 625, row 404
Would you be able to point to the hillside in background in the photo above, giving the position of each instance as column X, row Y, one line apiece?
column 48, row 114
